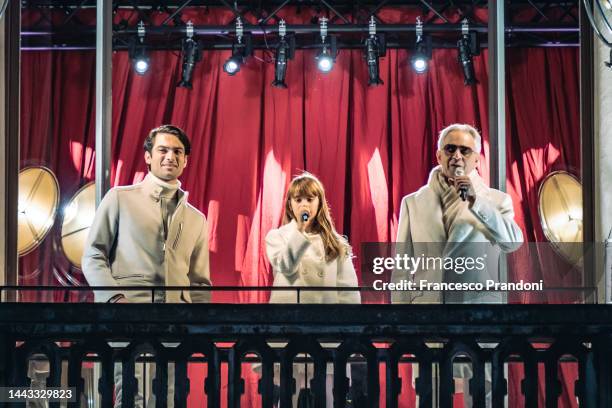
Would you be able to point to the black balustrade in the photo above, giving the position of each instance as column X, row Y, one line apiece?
column 436, row 338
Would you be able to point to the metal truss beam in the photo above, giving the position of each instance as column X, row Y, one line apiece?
column 553, row 23
column 215, row 30
column 349, row 36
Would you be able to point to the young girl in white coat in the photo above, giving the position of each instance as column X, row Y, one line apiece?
column 307, row 251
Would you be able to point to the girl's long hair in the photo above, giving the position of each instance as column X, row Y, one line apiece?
column 307, row 185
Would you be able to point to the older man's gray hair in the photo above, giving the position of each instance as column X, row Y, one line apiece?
column 462, row 128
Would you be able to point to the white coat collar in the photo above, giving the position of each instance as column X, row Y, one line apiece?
column 156, row 188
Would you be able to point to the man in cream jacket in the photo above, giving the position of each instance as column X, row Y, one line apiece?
column 148, row 234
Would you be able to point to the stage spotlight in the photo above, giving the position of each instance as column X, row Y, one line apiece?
column 284, row 52
column 239, row 53
column 280, row 65
column 138, row 52
column 607, row 4
column 232, row 66
column 327, row 56
column 325, row 62
column 191, row 55
column 240, row 50
column 465, row 59
column 141, row 65
column 374, row 49
column 468, row 46
column 421, row 56
column 422, row 50
column 419, row 64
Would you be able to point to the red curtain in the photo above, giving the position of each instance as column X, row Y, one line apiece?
column 543, row 128
column 370, row 146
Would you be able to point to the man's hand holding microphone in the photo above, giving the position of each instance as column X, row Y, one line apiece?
column 464, row 186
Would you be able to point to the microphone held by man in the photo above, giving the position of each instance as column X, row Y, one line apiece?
column 463, row 190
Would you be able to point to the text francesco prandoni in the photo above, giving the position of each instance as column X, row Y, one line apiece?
column 458, row 265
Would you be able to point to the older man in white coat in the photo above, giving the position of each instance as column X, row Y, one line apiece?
column 456, row 216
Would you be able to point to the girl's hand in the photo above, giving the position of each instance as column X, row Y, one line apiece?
column 301, row 224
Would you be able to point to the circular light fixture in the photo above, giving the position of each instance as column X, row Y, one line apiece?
column 325, row 63
column 419, row 63
column 231, row 66
column 141, row 66
column 560, row 211
column 37, row 207
column 78, row 216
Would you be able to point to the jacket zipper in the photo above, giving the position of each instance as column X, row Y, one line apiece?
column 178, row 235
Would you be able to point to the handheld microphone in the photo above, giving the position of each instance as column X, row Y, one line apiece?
column 463, row 191
column 305, row 216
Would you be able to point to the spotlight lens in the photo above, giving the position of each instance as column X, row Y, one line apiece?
column 419, row 65
column 325, row 64
column 141, row 66
column 231, row 67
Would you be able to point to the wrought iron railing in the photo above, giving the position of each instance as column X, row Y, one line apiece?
column 433, row 337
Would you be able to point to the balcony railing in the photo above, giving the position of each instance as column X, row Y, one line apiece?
column 434, row 338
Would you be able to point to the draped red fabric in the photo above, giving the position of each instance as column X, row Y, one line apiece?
column 543, row 128
column 370, row 146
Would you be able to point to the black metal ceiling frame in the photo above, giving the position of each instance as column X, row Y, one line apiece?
column 546, row 28
column 360, row 11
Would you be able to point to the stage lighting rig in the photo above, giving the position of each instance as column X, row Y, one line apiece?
column 284, row 52
column 468, row 46
column 192, row 54
column 422, row 50
column 327, row 56
column 241, row 49
column 138, row 51
column 375, row 47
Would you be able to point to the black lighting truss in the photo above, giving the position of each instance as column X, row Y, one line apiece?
column 68, row 24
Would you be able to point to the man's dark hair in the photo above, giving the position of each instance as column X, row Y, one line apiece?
column 170, row 129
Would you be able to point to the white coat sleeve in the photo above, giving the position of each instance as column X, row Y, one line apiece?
column 347, row 277
column 199, row 267
column 284, row 253
column 96, row 260
column 499, row 221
